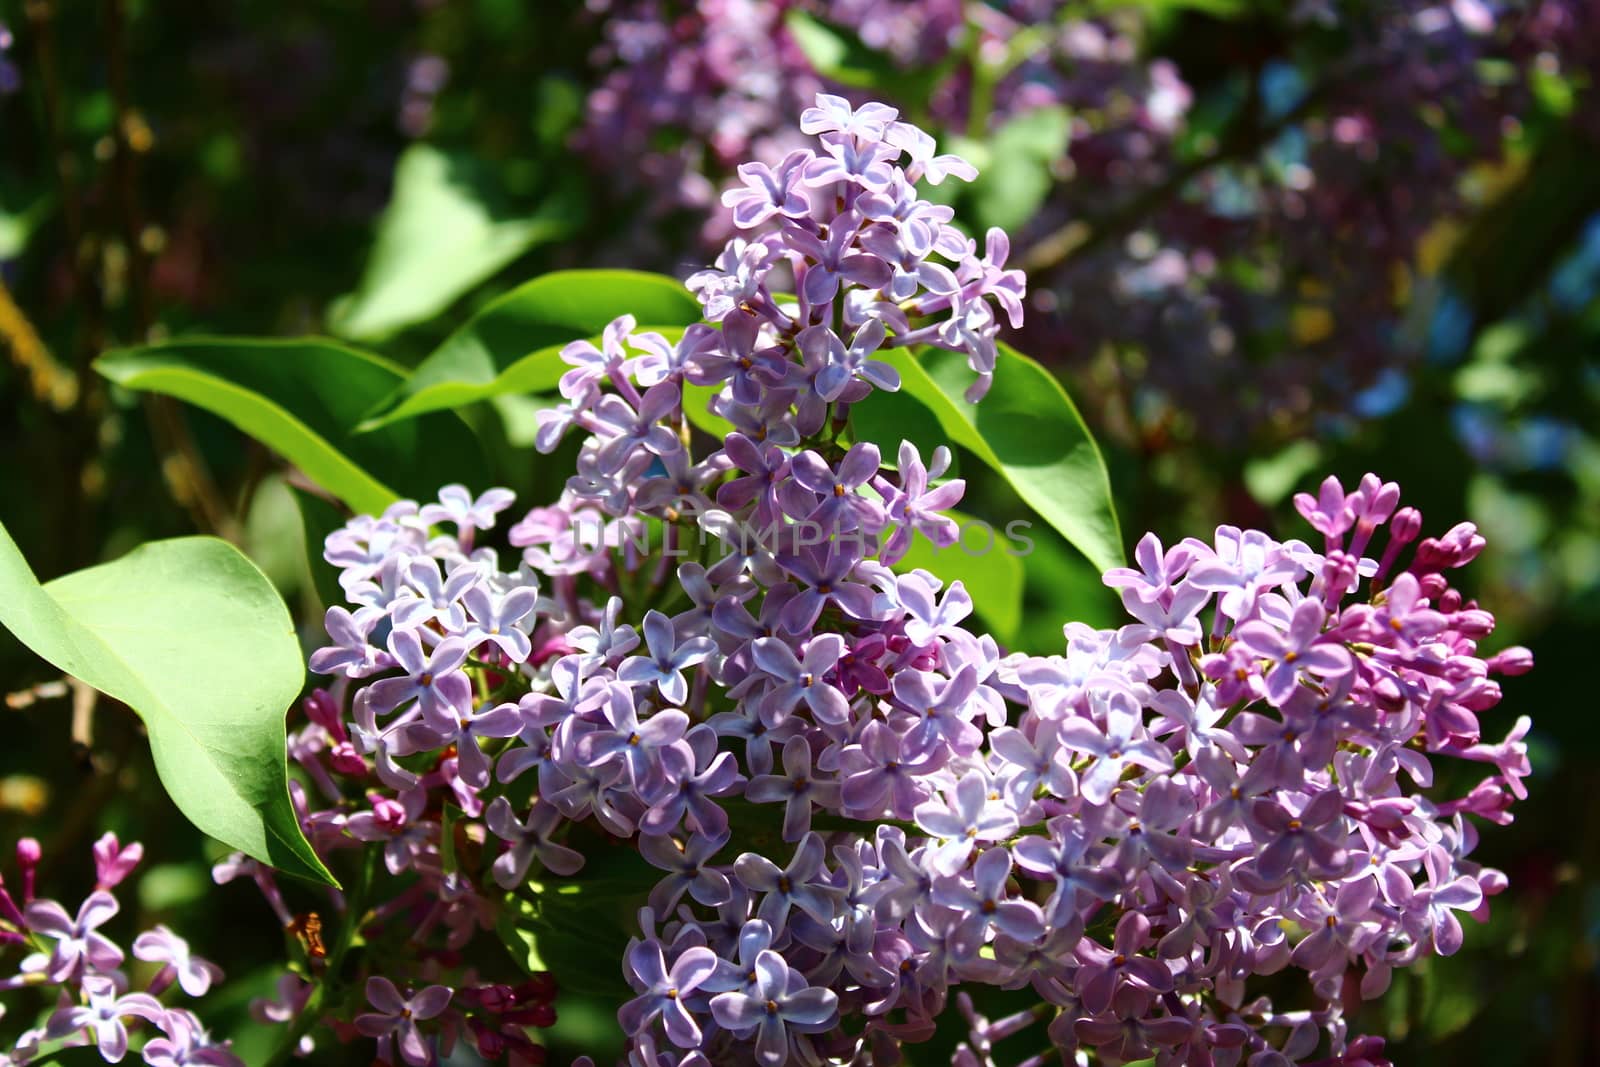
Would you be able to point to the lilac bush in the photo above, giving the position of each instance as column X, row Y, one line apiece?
column 853, row 803
column 1193, row 224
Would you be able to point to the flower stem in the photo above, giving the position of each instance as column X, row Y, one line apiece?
column 311, row 1014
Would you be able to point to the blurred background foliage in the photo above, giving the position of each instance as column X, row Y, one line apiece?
column 1266, row 241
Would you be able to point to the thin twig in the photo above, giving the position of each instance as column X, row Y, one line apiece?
column 188, row 476
column 52, row 383
column 84, row 698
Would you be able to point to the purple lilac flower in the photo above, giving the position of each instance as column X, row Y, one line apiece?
column 780, row 1001
column 103, row 1016
column 667, row 660
column 665, row 991
column 193, row 975
column 530, row 840
column 798, row 885
column 79, row 946
column 798, row 787
column 397, row 1017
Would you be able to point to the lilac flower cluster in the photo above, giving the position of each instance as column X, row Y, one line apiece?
column 70, row 957
column 684, row 96
column 1232, row 784
column 395, row 766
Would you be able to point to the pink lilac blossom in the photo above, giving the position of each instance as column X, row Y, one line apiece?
column 1237, row 781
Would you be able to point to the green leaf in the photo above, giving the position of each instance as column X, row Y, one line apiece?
column 446, row 229
column 696, row 399
column 1023, row 152
column 987, row 562
column 192, row 637
column 1028, row 430
column 513, row 345
column 302, row 398
column 838, row 54
column 318, row 519
column 79, row 1056
column 577, row 931
column 886, row 419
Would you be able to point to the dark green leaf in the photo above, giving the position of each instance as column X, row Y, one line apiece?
column 302, row 399
column 192, row 637
column 446, row 229
column 319, row 518
column 513, row 345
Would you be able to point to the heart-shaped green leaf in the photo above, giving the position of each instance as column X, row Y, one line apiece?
column 513, row 345
column 303, row 398
column 192, row 637
column 1028, row 430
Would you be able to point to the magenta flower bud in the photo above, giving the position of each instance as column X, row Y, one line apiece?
column 347, row 761
column 1473, row 623
column 28, row 855
column 112, row 862
column 1483, row 698
column 1432, row 556
column 1432, row 585
column 539, row 1015
column 389, row 814
column 322, row 709
column 490, row 1043
column 1465, row 543
column 1403, row 530
column 496, row 998
column 1406, row 527
column 1511, row 661
column 541, row 986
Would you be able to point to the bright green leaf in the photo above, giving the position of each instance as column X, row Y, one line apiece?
column 192, row 637
column 841, row 56
column 1029, row 431
column 445, row 230
column 838, row 54
column 1009, row 192
column 302, row 399
column 513, row 345
column 886, row 419
column 695, row 401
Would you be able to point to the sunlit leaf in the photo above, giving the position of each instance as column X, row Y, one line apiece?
column 1029, row 431
column 192, row 637
column 302, row 399
column 513, row 345
column 446, row 229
